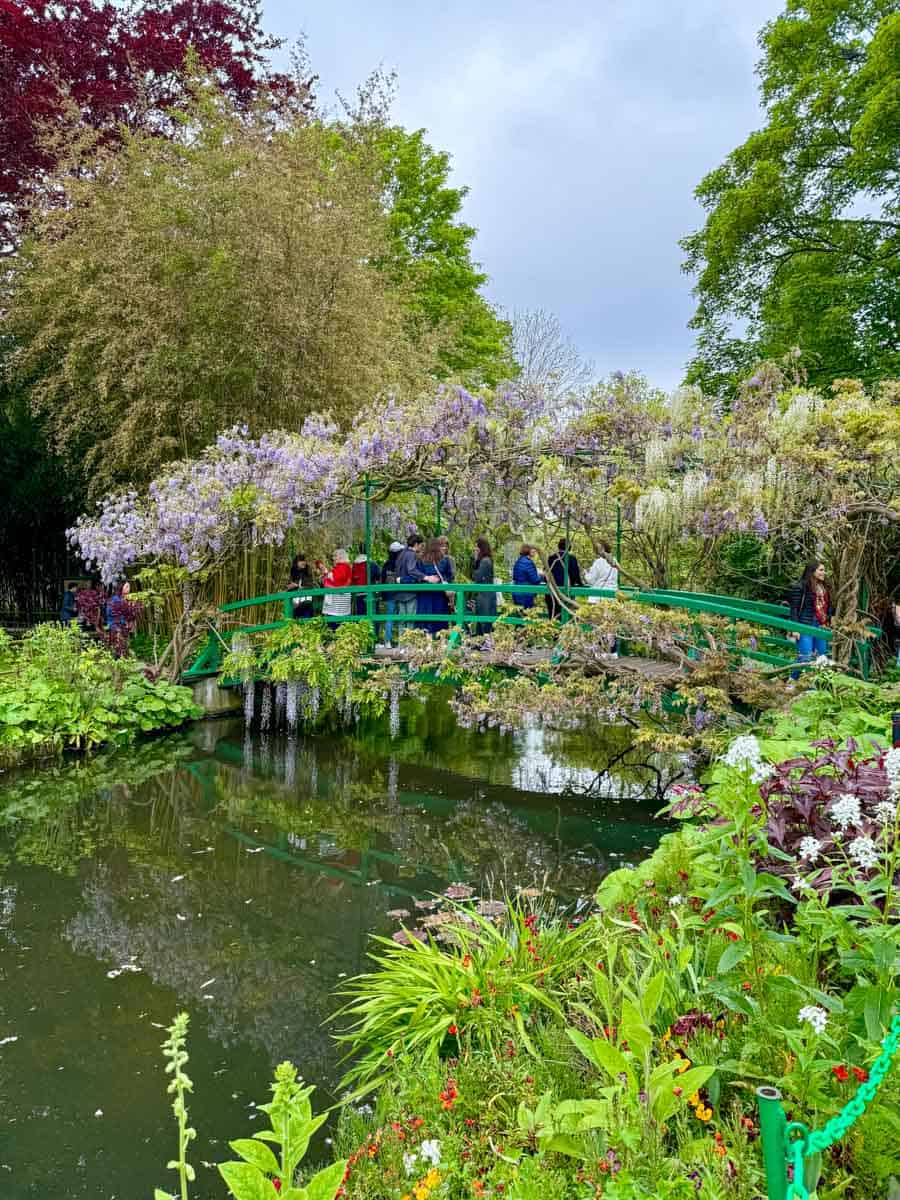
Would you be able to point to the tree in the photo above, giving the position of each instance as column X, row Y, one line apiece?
column 802, row 238
column 431, row 253
column 110, row 65
column 226, row 275
column 548, row 362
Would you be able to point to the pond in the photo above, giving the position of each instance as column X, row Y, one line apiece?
column 240, row 878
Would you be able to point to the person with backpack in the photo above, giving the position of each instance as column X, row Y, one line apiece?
column 436, row 568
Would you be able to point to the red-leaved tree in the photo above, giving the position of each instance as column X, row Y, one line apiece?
column 109, row 65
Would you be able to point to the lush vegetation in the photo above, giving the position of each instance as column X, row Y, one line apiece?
column 514, row 1048
column 59, row 690
column 800, row 244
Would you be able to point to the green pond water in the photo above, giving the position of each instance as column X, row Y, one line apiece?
column 239, row 879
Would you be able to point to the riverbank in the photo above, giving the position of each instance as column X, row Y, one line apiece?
column 61, row 691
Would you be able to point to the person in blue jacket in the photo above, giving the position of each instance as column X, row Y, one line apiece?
column 526, row 571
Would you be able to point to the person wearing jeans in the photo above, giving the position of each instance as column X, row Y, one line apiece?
column 408, row 572
column 810, row 604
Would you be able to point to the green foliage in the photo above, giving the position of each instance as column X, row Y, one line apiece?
column 292, row 1126
column 488, row 985
column 59, row 690
column 181, row 1086
column 259, row 1173
column 431, row 254
column 326, row 664
column 801, row 237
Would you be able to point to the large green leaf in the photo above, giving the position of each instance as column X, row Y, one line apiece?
column 246, row 1182
column 253, row 1151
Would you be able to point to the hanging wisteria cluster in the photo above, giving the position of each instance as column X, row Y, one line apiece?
column 247, row 490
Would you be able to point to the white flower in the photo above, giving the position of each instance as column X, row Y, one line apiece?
column 409, row 1163
column 863, row 852
column 676, row 900
column 845, row 811
column 802, row 885
column 743, row 752
column 810, row 849
column 823, row 661
column 431, row 1151
column 815, row 1016
column 885, row 812
column 892, row 765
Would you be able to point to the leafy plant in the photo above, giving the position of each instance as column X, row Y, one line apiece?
column 292, row 1126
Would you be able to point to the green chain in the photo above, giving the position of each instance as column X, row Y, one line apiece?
column 806, row 1144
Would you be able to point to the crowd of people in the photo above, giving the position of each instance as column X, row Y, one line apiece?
column 419, row 562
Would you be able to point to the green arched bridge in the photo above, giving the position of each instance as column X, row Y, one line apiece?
column 258, row 614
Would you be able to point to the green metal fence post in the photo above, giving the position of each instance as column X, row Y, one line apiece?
column 772, row 1126
column 618, row 533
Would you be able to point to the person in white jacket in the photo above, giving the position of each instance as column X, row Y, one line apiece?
column 603, row 573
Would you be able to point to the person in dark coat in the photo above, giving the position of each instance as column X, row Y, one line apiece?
column 810, row 604
column 69, row 610
column 435, row 567
column 558, row 571
column 525, row 571
column 483, row 572
column 302, row 578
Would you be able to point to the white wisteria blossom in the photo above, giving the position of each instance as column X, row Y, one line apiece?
column 810, row 849
column 864, row 852
column 813, row 1014
column 886, row 812
column 845, row 811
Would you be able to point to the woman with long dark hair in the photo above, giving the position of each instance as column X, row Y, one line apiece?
column 810, row 604
column 485, row 602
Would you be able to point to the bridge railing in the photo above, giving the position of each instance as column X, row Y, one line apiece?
column 773, row 647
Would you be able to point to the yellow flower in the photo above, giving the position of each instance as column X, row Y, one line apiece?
column 695, row 1099
column 666, row 1036
column 703, row 1114
column 433, row 1178
column 420, row 1191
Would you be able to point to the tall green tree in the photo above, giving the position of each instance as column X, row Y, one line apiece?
column 431, row 253
column 801, row 244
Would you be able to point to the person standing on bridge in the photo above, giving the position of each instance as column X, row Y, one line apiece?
column 301, row 579
column 389, row 575
column 557, row 564
column 337, row 604
column 810, row 604
column 436, row 568
column 483, row 572
column 525, row 571
column 408, row 572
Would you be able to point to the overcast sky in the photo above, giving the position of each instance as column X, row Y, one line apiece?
column 581, row 130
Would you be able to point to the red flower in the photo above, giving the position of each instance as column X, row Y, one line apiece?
column 451, row 1029
column 841, row 1073
column 861, row 1075
column 276, row 1184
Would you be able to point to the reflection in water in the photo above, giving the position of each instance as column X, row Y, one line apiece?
column 240, row 879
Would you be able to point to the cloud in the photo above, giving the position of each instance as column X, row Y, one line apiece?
column 581, row 132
